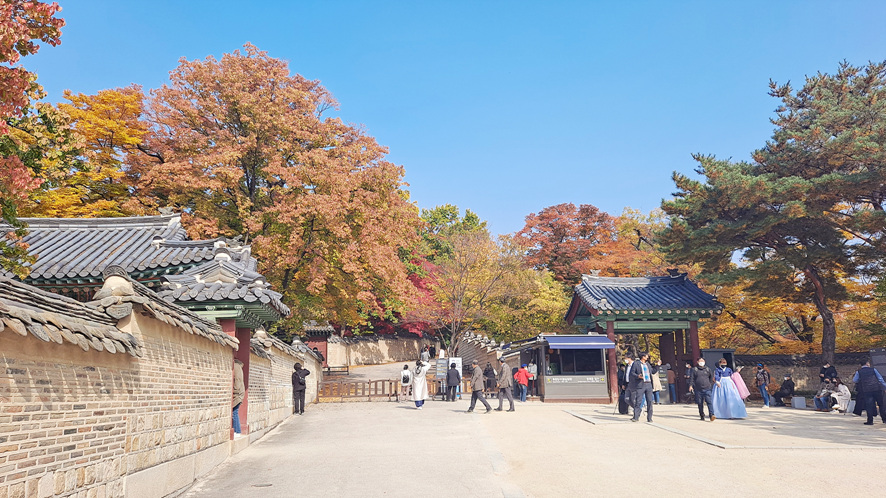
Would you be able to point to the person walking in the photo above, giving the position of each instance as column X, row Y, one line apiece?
column 298, row 388
column 238, row 394
column 477, row 385
column 405, row 382
column 727, row 402
column 453, row 379
column 672, row 383
column 871, row 384
column 641, row 377
column 432, row 352
column 522, row 378
column 420, row 383
column 505, row 384
column 701, row 382
column 629, row 387
column 762, row 380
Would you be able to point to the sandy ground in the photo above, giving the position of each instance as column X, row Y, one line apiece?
column 544, row 449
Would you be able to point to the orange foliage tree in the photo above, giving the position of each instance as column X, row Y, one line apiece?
column 242, row 146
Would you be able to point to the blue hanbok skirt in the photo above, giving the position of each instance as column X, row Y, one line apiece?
column 726, row 400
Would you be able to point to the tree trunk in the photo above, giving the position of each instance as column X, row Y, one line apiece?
column 829, row 328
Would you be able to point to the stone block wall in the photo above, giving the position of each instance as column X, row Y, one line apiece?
column 89, row 423
column 803, row 369
column 375, row 349
column 63, row 418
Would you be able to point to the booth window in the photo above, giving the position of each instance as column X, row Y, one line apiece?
column 577, row 361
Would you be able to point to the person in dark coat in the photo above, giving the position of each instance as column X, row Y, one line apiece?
column 640, row 383
column 622, row 387
column 505, row 383
column 489, row 373
column 827, row 372
column 871, row 384
column 477, row 387
column 786, row 389
column 701, row 382
column 298, row 388
column 453, row 379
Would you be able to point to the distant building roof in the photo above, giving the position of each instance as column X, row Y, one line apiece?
column 315, row 328
column 674, row 292
column 25, row 309
column 78, row 249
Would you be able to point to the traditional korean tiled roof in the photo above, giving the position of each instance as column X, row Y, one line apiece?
column 675, row 292
column 315, row 328
column 120, row 304
column 224, row 279
column 81, row 248
column 25, row 309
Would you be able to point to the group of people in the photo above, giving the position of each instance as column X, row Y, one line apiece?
column 414, row 383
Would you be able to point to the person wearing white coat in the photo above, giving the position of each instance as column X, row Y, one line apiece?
column 420, row 383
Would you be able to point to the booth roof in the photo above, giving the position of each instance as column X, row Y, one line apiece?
column 675, row 292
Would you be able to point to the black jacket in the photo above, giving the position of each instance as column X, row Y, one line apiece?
column 453, row 378
column 298, row 379
column 786, row 389
column 827, row 373
column 701, row 378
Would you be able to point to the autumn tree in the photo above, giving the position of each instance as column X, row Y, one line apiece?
column 479, row 273
column 22, row 25
column 97, row 184
column 439, row 226
column 807, row 216
column 567, row 240
column 244, row 148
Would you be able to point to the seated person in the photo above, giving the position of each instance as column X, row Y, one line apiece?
column 823, row 398
column 841, row 395
column 787, row 389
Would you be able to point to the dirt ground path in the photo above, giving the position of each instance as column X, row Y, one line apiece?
column 392, row 449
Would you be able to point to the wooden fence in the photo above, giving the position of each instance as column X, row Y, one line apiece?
column 375, row 390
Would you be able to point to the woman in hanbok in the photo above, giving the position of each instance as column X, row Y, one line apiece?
column 726, row 400
column 420, row 383
column 841, row 394
column 743, row 391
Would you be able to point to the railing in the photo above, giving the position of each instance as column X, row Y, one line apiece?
column 343, row 390
column 349, row 390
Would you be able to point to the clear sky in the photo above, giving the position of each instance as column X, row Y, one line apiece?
column 502, row 107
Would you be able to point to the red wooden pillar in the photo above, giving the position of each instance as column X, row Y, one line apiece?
column 242, row 354
column 613, row 366
column 693, row 340
column 679, row 342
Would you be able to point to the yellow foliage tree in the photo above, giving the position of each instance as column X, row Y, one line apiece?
column 109, row 124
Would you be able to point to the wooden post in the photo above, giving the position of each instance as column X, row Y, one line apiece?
column 693, row 340
column 679, row 342
column 613, row 367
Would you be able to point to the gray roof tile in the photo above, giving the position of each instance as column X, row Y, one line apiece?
column 653, row 293
column 68, row 248
column 53, row 318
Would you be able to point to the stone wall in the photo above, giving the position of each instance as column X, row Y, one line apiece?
column 374, row 349
column 89, row 423
column 803, row 368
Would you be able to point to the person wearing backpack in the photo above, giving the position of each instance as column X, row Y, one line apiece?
column 298, row 388
column 405, row 383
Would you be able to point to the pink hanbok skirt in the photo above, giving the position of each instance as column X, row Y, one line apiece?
column 740, row 385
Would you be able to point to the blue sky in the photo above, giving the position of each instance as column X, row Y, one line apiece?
column 502, row 107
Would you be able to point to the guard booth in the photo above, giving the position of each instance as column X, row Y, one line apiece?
column 571, row 368
column 669, row 306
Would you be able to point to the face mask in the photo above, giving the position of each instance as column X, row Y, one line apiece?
column 786, row 378
column 701, row 363
column 722, row 365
